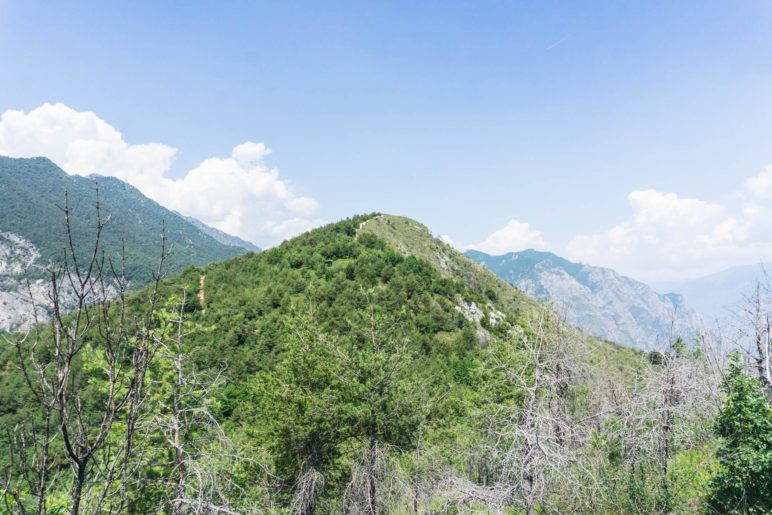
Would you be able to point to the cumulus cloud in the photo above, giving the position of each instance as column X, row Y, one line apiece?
column 239, row 194
column 760, row 185
column 80, row 142
column 513, row 237
column 444, row 238
column 668, row 237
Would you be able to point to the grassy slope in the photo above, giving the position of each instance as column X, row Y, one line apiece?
column 412, row 238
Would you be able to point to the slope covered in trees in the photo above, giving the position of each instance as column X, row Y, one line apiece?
column 363, row 367
column 32, row 192
column 33, row 235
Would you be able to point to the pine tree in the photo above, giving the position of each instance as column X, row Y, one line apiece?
column 744, row 485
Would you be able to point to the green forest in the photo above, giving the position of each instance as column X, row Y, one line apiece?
column 32, row 203
column 363, row 367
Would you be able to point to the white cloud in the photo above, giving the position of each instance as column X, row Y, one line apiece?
column 447, row 240
column 250, row 153
column 513, row 237
column 668, row 237
column 760, row 185
column 239, row 194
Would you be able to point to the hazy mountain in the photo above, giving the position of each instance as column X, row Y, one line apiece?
column 715, row 296
column 32, row 230
column 221, row 236
column 598, row 300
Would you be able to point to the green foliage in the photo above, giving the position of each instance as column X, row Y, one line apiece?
column 347, row 338
column 413, row 239
column 744, row 482
column 690, row 473
column 31, row 191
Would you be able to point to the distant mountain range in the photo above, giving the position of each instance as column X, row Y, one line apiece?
column 717, row 295
column 222, row 237
column 598, row 300
column 32, row 231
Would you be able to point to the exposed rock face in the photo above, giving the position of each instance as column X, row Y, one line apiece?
column 470, row 311
column 17, row 308
column 16, row 254
column 25, row 299
column 598, row 300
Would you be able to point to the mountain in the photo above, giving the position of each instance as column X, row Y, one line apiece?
column 32, row 231
column 598, row 300
column 716, row 296
column 222, row 237
column 366, row 362
column 365, row 330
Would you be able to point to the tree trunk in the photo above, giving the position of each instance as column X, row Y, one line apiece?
column 762, row 348
column 529, row 501
column 43, row 479
column 372, row 456
column 77, row 488
column 179, row 454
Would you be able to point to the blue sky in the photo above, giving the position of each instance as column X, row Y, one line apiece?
column 463, row 115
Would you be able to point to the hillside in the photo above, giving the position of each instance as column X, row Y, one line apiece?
column 366, row 366
column 411, row 238
column 367, row 332
column 32, row 231
column 395, row 255
column 598, row 300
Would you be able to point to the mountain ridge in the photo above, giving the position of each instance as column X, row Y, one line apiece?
column 33, row 233
column 599, row 300
column 221, row 236
column 717, row 296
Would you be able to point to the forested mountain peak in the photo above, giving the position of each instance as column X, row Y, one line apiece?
column 363, row 367
column 412, row 238
column 32, row 195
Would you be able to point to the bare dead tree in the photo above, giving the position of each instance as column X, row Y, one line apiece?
column 536, row 442
column 308, row 488
column 21, row 473
column 87, row 295
column 202, row 454
column 671, row 397
column 669, row 407
column 755, row 328
column 378, row 466
column 29, row 443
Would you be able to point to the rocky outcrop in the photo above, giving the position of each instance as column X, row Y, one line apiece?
column 18, row 299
